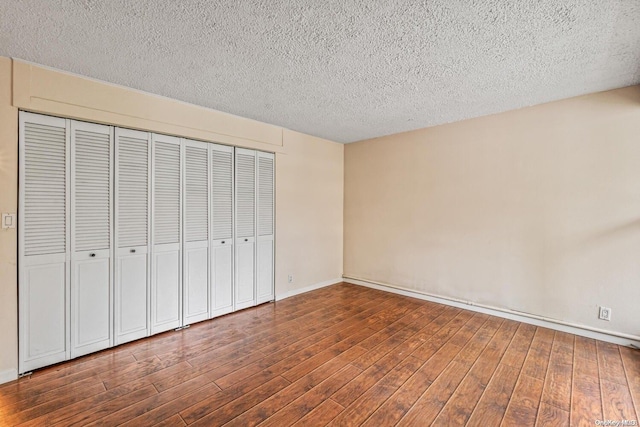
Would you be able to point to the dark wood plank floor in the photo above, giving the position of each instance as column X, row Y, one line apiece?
column 341, row 355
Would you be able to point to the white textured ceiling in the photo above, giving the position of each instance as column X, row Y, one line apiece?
column 341, row 69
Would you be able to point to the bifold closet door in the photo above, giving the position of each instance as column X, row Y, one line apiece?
column 44, row 241
column 91, row 237
column 132, row 225
column 166, row 226
column 245, row 295
column 221, row 230
column 265, row 245
column 196, row 231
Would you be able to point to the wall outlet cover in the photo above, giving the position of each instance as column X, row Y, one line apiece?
column 605, row 313
column 8, row 220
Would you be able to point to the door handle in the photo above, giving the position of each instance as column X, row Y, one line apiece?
column 133, row 251
column 223, row 242
column 92, row 255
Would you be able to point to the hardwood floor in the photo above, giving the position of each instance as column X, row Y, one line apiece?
column 341, row 355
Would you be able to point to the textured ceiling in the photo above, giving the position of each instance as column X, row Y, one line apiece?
column 341, row 69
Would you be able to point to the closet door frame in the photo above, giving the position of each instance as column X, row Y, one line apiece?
column 123, row 254
column 88, row 257
column 28, row 263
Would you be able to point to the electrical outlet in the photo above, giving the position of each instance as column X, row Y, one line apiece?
column 290, row 278
column 605, row 313
column 8, row 220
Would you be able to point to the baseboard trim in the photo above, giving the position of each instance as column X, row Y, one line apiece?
column 308, row 288
column 8, row 375
column 558, row 325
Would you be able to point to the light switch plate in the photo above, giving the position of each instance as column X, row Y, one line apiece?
column 8, row 220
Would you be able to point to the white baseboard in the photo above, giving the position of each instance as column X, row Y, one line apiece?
column 308, row 288
column 8, row 375
column 558, row 325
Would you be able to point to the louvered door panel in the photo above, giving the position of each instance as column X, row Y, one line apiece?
column 196, row 193
column 166, row 223
column 265, row 242
column 43, row 231
column 166, row 220
column 265, row 194
column 222, row 191
column 222, row 230
column 92, row 189
column 91, row 213
column 132, row 188
column 245, row 191
column 196, row 232
column 45, row 187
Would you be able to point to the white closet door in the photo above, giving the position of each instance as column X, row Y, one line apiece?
column 221, row 230
column 265, row 244
column 245, row 295
column 166, row 224
column 196, row 231
column 91, row 237
column 132, row 225
column 43, row 244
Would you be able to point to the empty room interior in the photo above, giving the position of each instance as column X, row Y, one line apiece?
column 320, row 213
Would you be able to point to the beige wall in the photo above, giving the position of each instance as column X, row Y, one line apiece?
column 309, row 172
column 8, row 238
column 309, row 209
column 535, row 210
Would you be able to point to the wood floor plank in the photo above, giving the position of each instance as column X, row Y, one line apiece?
column 519, row 347
column 493, row 404
column 586, row 348
column 106, row 408
column 313, row 398
column 158, row 399
column 237, row 406
column 537, row 360
column 86, row 405
column 459, row 407
column 631, row 362
column 610, row 363
column 298, row 388
column 321, row 415
column 52, row 404
column 525, row 401
column 370, row 400
column 557, row 386
column 550, row 416
column 414, row 402
column 586, row 368
column 586, row 406
column 417, row 405
column 616, row 402
column 175, row 420
column 340, row 355
column 167, row 410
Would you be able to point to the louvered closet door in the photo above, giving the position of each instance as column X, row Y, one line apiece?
column 265, row 244
column 43, row 241
column 132, row 226
column 166, row 226
column 196, row 231
column 245, row 223
column 221, row 230
column 91, row 237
